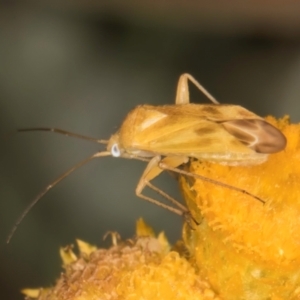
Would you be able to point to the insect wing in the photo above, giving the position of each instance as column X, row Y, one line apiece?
column 181, row 131
column 257, row 134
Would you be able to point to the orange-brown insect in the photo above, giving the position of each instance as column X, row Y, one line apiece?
column 168, row 136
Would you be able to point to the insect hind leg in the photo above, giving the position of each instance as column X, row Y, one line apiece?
column 183, row 95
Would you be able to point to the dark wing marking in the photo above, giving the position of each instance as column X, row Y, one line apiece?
column 257, row 134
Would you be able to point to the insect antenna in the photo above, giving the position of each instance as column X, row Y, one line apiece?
column 49, row 187
column 64, row 132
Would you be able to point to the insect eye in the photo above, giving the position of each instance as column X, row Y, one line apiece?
column 115, row 151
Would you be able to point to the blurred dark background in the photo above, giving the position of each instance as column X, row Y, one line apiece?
column 81, row 66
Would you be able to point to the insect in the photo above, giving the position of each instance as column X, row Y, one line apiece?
column 168, row 136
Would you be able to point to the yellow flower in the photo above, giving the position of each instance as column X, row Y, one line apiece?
column 141, row 268
column 246, row 249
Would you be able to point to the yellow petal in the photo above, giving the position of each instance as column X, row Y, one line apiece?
column 143, row 229
column 85, row 247
column 67, row 255
column 31, row 293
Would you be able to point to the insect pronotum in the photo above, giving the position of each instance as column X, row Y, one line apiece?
column 167, row 136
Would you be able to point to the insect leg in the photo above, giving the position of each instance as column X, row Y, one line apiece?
column 165, row 166
column 183, row 95
column 153, row 170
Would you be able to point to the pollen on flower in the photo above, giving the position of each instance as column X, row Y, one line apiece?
column 249, row 250
column 141, row 268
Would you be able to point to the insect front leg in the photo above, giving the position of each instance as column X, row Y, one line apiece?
column 153, row 170
column 183, row 95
